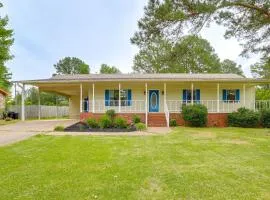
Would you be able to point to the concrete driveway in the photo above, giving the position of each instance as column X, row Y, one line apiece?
column 21, row 130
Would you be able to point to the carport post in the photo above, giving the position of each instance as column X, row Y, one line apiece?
column 39, row 111
column 23, row 97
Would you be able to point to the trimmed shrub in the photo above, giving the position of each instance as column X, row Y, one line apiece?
column 195, row 115
column 111, row 114
column 140, row 126
column 59, row 128
column 136, row 119
column 173, row 122
column 265, row 118
column 92, row 123
column 105, row 122
column 244, row 117
column 120, row 122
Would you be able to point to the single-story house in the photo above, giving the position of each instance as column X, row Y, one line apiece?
column 3, row 95
column 157, row 98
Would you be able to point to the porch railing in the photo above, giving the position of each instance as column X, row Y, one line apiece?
column 215, row 106
column 130, row 106
column 173, row 106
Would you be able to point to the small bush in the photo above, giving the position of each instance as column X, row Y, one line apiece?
column 244, row 117
column 92, row 123
column 173, row 122
column 195, row 115
column 111, row 114
column 136, row 119
column 59, row 128
column 140, row 126
column 120, row 122
column 105, row 122
column 265, row 118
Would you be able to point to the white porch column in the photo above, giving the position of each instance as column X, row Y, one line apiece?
column 218, row 97
column 23, row 98
column 81, row 103
column 39, row 111
column 89, row 97
column 119, row 98
column 244, row 95
column 146, row 105
column 93, row 97
column 165, row 95
column 192, row 95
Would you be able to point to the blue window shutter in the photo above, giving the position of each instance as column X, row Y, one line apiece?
column 237, row 98
column 107, row 97
column 129, row 97
column 184, row 95
column 224, row 96
column 198, row 95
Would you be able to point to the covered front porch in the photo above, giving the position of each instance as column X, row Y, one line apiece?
column 164, row 99
column 148, row 99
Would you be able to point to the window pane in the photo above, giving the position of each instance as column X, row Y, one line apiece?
column 231, row 95
column 124, row 97
column 189, row 95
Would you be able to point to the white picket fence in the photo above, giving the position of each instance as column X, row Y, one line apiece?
column 31, row 111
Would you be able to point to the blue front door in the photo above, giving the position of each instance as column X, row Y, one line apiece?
column 153, row 101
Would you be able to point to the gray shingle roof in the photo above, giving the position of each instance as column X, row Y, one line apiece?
column 144, row 77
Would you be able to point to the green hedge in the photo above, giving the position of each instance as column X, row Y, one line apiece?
column 265, row 118
column 195, row 115
column 120, row 122
column 105, row 122
column 244, row 117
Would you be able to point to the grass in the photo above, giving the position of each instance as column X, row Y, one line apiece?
column 4, row 122
column 190, row 163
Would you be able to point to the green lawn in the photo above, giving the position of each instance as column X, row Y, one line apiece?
column 186, row 164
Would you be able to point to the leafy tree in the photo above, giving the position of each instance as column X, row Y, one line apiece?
column 154, row 58
column 6, row 40
column 71, row 65
column 262, row 94
column 229, row 66
column 106, row 69
column 261, row 69
column 246, row 20
column 191, row 54
column 49, row 99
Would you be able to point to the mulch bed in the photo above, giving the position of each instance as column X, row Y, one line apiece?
column 82, row 127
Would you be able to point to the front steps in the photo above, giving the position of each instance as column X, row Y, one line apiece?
column 157, row 120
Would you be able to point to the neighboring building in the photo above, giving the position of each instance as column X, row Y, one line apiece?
column 3, row 95
column 155, row 97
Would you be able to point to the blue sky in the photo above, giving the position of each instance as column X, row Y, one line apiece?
column 96, row 31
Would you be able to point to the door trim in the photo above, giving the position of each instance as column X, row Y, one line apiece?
column 149, row 100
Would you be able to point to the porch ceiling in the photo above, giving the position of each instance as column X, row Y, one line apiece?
column 62, row 89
